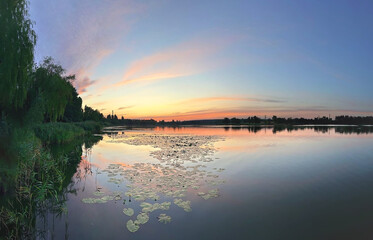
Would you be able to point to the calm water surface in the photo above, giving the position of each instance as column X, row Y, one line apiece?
column 287, row 185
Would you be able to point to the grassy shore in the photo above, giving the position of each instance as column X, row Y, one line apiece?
column 59, row 132
column 32, row 174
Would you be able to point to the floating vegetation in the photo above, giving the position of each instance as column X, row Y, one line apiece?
column 107, row 198
column 93, row 200
column 104, row 199
column 132, row 226
column 181, row 147
column 97, row 193
column 115, row 180
column 163, row 218
column 211, row 194
column 148, row 207
column 215, row 182
column 181, row 170
column 142, row 218
column 141, row 194
column 183, row 204
column 128, row 211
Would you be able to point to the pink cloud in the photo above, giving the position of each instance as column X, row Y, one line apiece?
column 213, row 99
column 81, row 84
column 185, row 59
column 126, row 107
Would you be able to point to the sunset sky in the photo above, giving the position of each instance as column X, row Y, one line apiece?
column 212, row 59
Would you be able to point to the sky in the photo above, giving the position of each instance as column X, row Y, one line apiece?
column 201, row 59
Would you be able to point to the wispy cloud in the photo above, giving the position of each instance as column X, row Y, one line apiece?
column 213, row 99
column 83, row 84
column 185, row 59
column 83, row 73
column 126, row 107
column 150, row 78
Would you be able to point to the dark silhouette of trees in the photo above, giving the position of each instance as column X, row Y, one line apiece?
column 73, row 111
column 353, row 120
column 235, row 121
column 226, row 121
column 253, row 120
column 280, row 123
column 92, row 115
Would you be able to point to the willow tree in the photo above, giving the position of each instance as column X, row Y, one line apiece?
column 53, row 87
column 17, row 41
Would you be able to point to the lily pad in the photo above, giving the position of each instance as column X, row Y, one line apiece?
column 183, row 204
column 128, row 211
column 142, row 218
column 211, row 194
column 132, row 227
column 94, row 200
column 163, row 218
column 98, row 193
column 148, row 207
column 181, row 170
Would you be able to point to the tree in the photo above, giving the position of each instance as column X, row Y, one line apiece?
column 91, row 114
column 235, row 121
column 226, row 121
column 73, row 111
column 17, row 41
column 53, row 87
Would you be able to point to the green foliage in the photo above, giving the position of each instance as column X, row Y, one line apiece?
column 39, row 181
column 55, row 89
column 35, row 113
column 73, row 111
column 38, row 177
column 58, row 132
column 90, row 114
column 17, row 41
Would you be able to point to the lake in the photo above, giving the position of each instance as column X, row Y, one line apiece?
column 219, row 183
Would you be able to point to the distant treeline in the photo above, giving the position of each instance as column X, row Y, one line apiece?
column 339, row 120
column 112, row 131
column 320, row 129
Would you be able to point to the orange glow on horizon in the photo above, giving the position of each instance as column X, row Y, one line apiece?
column 237, row 114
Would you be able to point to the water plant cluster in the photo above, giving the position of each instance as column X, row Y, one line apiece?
column 175, row 149
column 180, row 172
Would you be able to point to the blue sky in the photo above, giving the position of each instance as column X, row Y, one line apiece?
column 210, row 59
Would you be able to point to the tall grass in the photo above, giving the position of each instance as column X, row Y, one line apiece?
column 38, row 177
column 31, row 177
column 57, row 132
